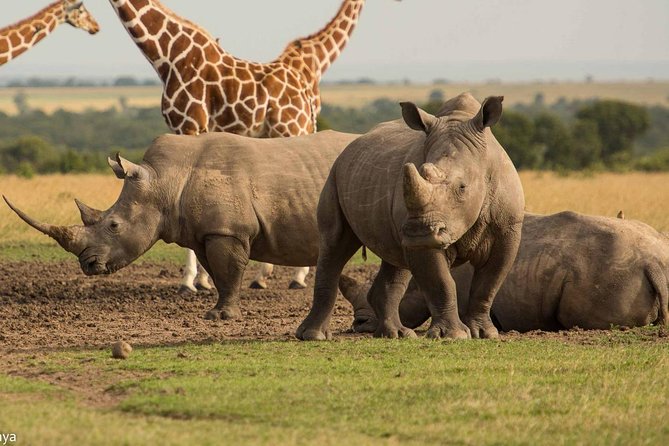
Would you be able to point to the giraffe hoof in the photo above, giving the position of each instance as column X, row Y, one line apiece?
column 295, row 285
column 185, row 289
column 255, row 285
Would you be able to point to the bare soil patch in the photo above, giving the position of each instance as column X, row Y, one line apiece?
column 53, row 306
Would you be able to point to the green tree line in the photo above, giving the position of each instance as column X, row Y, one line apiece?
column 577, row 135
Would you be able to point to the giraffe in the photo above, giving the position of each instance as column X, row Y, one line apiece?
column 206, row 89
column 20, row 37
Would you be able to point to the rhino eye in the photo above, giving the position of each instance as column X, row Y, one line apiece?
column 113, row 226
column 462, row 188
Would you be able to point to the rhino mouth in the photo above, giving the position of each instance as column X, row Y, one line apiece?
column 425, row 233
column 94, row 265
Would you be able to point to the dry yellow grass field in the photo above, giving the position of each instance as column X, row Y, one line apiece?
column 642, row 196
column 79, row 99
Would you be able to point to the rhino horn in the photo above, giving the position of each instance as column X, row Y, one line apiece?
column 89, row 215
column 417, row 190
column 69, row 237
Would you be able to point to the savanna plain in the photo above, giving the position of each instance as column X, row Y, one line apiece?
column 248, row 382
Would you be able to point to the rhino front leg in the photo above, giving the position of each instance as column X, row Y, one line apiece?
column 432, row 272
column 486, row 282
column 384, row 296
column 226, row 260
column 264, row 273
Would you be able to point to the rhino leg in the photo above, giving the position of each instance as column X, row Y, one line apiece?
column 226, row 260
column 413, row 308
column 338, row 243
column 364, row 318
column 384, row 296
column 432, row 272
column 486, row 282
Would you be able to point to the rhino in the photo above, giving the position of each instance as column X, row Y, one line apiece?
column 229, row 198
column 572, row 270
column 464, row 203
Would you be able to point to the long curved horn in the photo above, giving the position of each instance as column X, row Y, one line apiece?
column 417, row 191
column 69, row 237
column 89, row 215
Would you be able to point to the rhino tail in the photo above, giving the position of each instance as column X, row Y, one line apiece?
column 658, row 280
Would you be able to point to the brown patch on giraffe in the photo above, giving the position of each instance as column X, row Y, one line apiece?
column 175, row 119
column 231, row 89
column 126, row 14
column 150, row 48
column 196, row 88
column 182, row 100
column 4, row 45
column 211, row 52
column 14, row 39
column 197, row 113
column 172, row 29
column 200, row 39
column 215, row 98
column 172, row 86
column 210, row 73
column 179, row 46
column 164, row 42
column 248, row 90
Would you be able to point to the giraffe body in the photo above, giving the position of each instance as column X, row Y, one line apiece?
column 18, row 38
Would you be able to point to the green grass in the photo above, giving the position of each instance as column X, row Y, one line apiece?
column 609, row 389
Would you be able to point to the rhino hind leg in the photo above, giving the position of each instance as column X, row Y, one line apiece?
column 384, row 296
column 190, row 272
column 226, row 260
column 364, row 318
column 338, row 243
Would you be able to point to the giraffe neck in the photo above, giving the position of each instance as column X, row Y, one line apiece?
column 161, row 35
column 314, row 54
column 20, row 37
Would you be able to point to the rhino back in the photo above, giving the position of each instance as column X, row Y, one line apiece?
column 579, row 270
column 263, row 189
column 368, row 177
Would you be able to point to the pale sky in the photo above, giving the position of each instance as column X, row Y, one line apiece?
column 464, row 40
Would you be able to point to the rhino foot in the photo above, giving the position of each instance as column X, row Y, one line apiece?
column 232, row 313
column 186, row 289
column 438, row 331
column 258, row 285
column 312, row 334
column 365, row 324
column 295, row 285
column 394, row 332
column 482, row 329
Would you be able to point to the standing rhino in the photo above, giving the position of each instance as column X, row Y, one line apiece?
column 228, row 198
column 464, row 204
column 571, row 270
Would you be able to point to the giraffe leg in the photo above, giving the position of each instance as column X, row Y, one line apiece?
column 202, row 278
column 260, row 281
column 298, row 282
column 190, row 271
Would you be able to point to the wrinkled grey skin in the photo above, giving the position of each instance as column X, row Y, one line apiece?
column 464, row 203
column 572, row 270
column 227, row 197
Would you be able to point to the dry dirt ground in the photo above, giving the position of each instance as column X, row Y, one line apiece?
column 53, row 306
column 49, row 306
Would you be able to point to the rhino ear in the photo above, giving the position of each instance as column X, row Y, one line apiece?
column 127, row 169
column 416, row 118
column 116, row 167
column 489, row 114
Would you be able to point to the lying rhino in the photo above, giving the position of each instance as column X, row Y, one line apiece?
column 227, row 197
column 572, row 270
column 464, row 204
